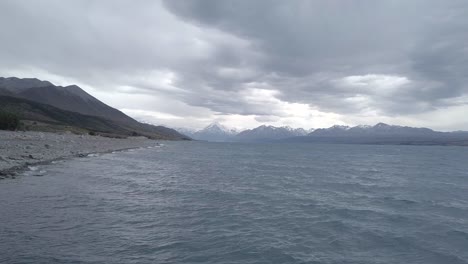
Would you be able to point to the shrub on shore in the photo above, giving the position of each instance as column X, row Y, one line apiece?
column 9, row 121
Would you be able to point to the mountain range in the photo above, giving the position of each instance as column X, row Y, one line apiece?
column 214, row 132
column 217, row 132
column 380, row 133
column 268, row 133
column 45, row 106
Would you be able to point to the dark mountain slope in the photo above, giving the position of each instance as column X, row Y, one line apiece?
column 16, row 85
column 28, row 110
column 33, row 111
column 4, row 91
column 74, row 99
column 71, row 98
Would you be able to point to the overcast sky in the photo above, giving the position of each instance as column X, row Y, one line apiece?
column 244, row 63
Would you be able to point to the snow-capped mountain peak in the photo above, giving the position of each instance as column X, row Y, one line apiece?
column 340, row 127
column 217, row 127
column 268, row 132
column 380, row 129
column 214, row 132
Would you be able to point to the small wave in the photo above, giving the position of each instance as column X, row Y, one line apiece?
column 400, row 200
column 39, row 173
column 33, row 168
column 35, row 171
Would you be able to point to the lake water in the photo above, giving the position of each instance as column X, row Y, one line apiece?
column 194, row 202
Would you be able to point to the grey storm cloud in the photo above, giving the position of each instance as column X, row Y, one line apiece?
column 309, row 43
column 348, row 57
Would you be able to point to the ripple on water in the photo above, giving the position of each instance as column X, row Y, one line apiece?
column 234, row 203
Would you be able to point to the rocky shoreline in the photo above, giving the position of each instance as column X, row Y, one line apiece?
column 18, row 150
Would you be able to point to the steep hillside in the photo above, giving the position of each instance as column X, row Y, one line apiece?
column 16, row 85
column 28, row 110
column 56, row 118
column 4, row 91
column 73, row 99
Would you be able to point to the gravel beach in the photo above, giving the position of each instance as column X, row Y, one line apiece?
column 20, row 149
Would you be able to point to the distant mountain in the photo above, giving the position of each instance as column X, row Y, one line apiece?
column 383, row 134
column 268, row 133
column 380, row 129
column 185, row 131
column 74, row 99
column 215, row 132
column 218, row 133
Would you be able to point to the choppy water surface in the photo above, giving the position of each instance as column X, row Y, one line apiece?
column 192, row 202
